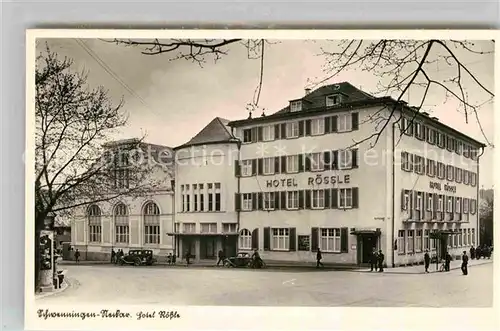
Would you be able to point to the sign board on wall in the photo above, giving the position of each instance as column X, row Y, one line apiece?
column 318, row 180
column 447, row 188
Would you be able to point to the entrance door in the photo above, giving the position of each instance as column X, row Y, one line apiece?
column 207, row 248
column 444, row 246
column 368, row 243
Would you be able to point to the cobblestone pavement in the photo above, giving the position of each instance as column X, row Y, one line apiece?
column 245, row 287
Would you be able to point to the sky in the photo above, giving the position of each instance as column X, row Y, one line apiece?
column 171, row 101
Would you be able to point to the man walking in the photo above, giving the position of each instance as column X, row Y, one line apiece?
column 447, row 261
column 472, row 252
column 77, row 256
column 427, row 261
column 465, row 261
column 221, row 257
column 113, row 256
column 373, row 260
column 318, row 259
column 381, row 258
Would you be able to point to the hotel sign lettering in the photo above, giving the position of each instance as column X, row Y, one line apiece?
column 318, row 180
column 447, row 188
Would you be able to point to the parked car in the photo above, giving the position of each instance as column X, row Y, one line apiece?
column 138, row 257
column 242, row 259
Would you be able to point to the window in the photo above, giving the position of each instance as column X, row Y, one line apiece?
column 345, row 159
column 246, row 168
column 195, row 201
column 247, row 135
column 292, row 129
column 217, row 202
column 292, row 200
column 418, row 130
column 430, row 202
column 418, row 241
column 473, row 237
column 345, row 196
column 406, row 200
column 466, row 205
column 245, row 239
column 449, row 205
column 440, row 204
column 405, row 159
column 332, row 100
column 401, row 241
column 411, row 242
column 229, row 227
column 317, row 126
column 121, row 178
column 426, row 240
column 94, row 215
column 449, row 143
column 458, row 175
column 208, row 227
column 430, row 135
column 318, row 199
column 419, row 201
column 418, row 165
column 121, row 224
column 441, row 170
column 469, row 237
column 449, row 172
column 151, row 223
column 466, row 151
column 202, row 202
column 458, row 205
column 433, row 244
column 281, row 239
column 407, row 127
column 268, row 200
column 189, row 227
column 330, row 240
column 466, row 177
column 431, row 168
column 317, row 161
column 268, row 163
column 247, row 201
column 440, row 137
column 295, row 106
column 473, row 178
column 268, row 133
column 292, row 163
column 459, row 148
column 344, row 123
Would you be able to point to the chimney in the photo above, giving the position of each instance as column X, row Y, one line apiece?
column 435, row 118
column 307, row 90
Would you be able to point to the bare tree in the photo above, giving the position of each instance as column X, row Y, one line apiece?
column 75, row 163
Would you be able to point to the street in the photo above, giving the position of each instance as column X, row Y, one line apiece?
column 245, row 287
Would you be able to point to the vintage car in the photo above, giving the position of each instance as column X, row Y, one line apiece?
column 138, row 257
column 242, row 259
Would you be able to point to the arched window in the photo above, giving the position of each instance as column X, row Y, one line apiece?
column 122, row 230
column 151, row 223
column 95, row 227
column 245, row 239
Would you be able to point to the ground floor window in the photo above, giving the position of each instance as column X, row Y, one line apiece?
column 122, row 234
column 469, row 241
column 95, row 233
column 281, row 239
column 473, row 237
column 245, row 239
column 426, row 240
column 411, row 242
column 208, row 227
column 460, row 241
column 433, row 244
column 152, row 234
column 401, row 241
column 330, row 240
column 418, row 241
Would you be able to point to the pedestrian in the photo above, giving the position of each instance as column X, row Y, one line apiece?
column 427, row 261
column 113, row 256
column 373, row 260
column 188, row 256
column 77, row 256
column 478, row 252
column 447, row 261
column 487, row 253
column 318, row 259
column 381, row 258
column 169, row 259
column 465, row 261
column 221, row 257
column 472, row 252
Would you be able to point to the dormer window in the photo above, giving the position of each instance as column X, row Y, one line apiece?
column 333, row 100
column 295, row 106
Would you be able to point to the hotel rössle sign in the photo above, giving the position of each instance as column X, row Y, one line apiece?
column 447, row 188
column 311, row 181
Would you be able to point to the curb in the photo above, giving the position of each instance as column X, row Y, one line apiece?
column 423, row 272
column 65, row 285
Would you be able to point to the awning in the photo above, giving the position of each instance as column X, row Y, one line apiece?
column 200, row 234
column 361, row 232
column 442, row 233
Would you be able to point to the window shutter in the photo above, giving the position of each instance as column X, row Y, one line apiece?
column 237, row 201
column 255, row 238
column 344, row 240
column 402, row 160
column 255, row 201
column 355, row 121
column 283, row 131
column 237, row 169
column 308, row 199
column 335, row 160
column 335, row 198
column 308, row 127
column 277, row 134
column 267, row 238
column 327, row 198
column 259, row 133
column 260, row 200
column 283, row 200
column 276, row 197
column 283, row 164
column 307, row 165
column 301, row 128
column 301, row 163
column 355, row 198
column 254, row 167
column 403, row 199
column 326, row 160
column 314, row 239
column 425, row 132
column 301, row 199
column 293, row 239
column 277, row 167
column 354, row 158
column 327, row 125
column 260, row 166
column 254, row 134
column 334, row 123
column 410, row 161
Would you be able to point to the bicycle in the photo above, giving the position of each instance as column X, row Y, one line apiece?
column 442, row 267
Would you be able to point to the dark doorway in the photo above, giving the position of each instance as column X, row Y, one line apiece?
column 208, row 247
column 443, row 246
column 189, row 245
column 367, row 244
column 230, row 245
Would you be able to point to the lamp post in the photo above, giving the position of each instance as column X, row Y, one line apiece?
column 46, row 243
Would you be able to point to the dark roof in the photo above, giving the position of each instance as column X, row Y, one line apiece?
column 217, row 131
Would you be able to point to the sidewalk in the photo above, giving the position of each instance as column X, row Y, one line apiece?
column 419, row 269
column 64, row 286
